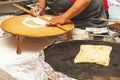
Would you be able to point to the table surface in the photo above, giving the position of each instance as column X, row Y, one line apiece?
column 15, row 26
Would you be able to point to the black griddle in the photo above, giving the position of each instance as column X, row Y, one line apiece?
column 61, row 56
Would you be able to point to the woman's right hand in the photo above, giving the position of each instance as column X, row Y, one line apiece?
column 36, row 11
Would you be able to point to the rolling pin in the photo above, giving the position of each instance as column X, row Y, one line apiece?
column 108, row 20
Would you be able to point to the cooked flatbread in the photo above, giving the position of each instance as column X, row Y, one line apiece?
column 99, row 54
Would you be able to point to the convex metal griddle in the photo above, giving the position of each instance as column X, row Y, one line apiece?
column 61, row 56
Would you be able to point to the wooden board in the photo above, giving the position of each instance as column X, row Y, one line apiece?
column 14, row 25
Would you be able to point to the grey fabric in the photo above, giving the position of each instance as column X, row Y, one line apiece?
column 58, row 6
column 88, row 18
column 5, row 76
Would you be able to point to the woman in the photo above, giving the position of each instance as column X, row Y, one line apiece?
column 83, row 13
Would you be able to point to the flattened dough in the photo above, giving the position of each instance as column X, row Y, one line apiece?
column 34, row 22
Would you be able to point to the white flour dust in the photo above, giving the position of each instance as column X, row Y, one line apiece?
column 35, row 22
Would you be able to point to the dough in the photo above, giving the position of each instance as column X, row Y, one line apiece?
column 34, row 22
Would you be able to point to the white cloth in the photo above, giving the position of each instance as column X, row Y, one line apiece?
column 114, row 9
column 114, row 2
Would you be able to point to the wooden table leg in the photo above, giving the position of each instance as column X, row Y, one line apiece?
column 19, row 44
column 69, row 35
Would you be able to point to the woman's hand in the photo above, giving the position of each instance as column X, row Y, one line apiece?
column 36, row 11
column 57, row 20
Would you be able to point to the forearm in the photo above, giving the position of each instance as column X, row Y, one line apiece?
column 42, row 4
column 77, row 8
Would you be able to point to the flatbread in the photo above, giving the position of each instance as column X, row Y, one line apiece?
column 99, row 54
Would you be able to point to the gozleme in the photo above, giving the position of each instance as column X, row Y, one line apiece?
column 99, row 54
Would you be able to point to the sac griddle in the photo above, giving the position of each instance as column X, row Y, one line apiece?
column 61, row 55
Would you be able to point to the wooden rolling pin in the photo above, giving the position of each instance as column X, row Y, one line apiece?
column 108, row 20
column 41, row 17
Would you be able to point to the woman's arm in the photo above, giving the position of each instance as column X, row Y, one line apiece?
column 42, row 4
column 76, row 9
column 39, row 9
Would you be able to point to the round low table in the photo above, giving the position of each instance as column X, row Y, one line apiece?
column 14, row 25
